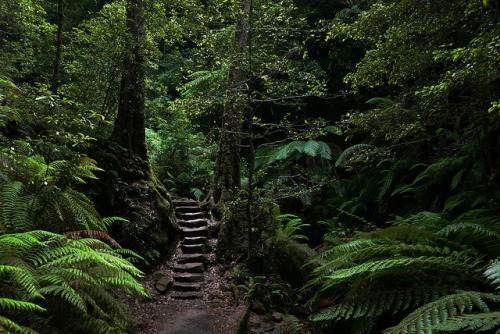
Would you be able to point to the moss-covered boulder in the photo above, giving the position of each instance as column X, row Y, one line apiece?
column 289, row 258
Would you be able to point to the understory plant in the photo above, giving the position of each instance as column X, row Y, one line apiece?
column 40, row 195
column 52, row 283
column 419, row 276
column 71, row 276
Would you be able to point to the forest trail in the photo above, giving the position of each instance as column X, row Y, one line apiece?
column 189, row 296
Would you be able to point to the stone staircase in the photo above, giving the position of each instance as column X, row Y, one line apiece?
column 188, row 271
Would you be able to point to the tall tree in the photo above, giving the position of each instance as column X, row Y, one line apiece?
column 129, row 129
column 227, row 164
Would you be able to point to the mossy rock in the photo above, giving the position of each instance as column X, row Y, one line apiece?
column 289, row 258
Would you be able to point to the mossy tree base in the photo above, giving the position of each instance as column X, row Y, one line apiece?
column 127, row 188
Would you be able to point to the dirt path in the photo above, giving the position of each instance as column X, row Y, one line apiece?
column 190, row 293
column 213, row 313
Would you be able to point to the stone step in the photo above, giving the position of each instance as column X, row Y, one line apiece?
column 193, row 249
column 189, row 215
column 188, row 277
column 197, row 267
column 187, row 209
column 193, row 222
column 184, row 202
column 181, row 286
column 195, row 241
column 192, row 258
column 185, row 295
column 195, row 232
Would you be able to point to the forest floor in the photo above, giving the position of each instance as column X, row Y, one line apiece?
column 214, row 313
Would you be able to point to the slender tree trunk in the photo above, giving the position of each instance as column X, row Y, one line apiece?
column 227, row 163
column 129, row 128
column 59, row 43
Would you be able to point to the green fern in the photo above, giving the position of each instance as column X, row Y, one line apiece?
column 439, row 311
column 293, row 325
column 492, row 273
column 47, row 279
column 404, row 270
column 292, row 225
column 39, row 195
column 480, row 322
column 343, row 158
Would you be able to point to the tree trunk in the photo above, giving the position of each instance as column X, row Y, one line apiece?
column 227, row 163
column 57, row 63
column 129, row 128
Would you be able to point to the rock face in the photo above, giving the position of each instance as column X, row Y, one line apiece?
column 128, row 188
column 188, row 271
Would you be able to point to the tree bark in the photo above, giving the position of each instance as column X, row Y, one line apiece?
column 227, row 163
column 129, row 128
column 57, row 63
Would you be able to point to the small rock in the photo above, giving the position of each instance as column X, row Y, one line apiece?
column 277, row 316
column 163, row 284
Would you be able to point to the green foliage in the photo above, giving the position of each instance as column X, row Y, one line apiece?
column 38, row 195
column 292, row 224
column 182, row 156
column 53, row 283
column 422, row 278
column 293, row 325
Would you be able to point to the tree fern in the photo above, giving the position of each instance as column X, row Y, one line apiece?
column 60, row 279
column 406, row 271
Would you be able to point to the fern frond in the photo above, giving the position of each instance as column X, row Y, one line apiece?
column 293, row 325
column 467, row 228
column 438, row 311
column 373, row 304
column 93, row 234
column 333, row 130
column 289, row 149
column 315, row 148
column 492, row 273
column 440, row 263
column 348, row 152
column 9, row 326
column 479, row 322
column 18, row 305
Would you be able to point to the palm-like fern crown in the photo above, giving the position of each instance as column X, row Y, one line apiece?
column 63, row 284
column 433, row 278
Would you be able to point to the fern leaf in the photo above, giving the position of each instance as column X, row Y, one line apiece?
column 348, row 152
column 9, row 326
column 479, row 322
column 333, row 130
column 468, row 228
column 422, row 320
column 493, row 273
